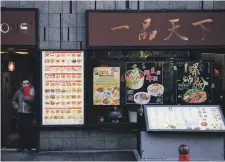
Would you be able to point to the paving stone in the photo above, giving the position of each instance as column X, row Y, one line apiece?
column 122, row 156
column 72, row 34
column 83, row 143
column 69, row 133
column 2, row 3
column 44, row 144
column 165, row 4
column 109, row 5
column 81, row 20
column 12, row 4
column 102, row 157
column 54, row 45
column 219, row 4
column 42, row 6
column 149, row 5
column 111, row 134
column 194, row 5
column 27, row 4
column 120, row 5
column 54, row 20
column 81, row 34
column 70, row 45
column 97, row 143
column 41, row 36
column 84, row 45
column 207, row 5
column 69, row 144
column 43, row 45
column 124, row 142
column 42, row 158
column 55, row 7
column 179, row 5
column 66, row 7
column 74, row 6
column 111, row 143
column 69, row 20
column 133, row 5
column 43, row 20
column 54, row 34
column 82, row 6
column 85, row 157
column 97, row 133
column 99, row 5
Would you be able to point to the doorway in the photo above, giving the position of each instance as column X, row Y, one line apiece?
column 25, row 66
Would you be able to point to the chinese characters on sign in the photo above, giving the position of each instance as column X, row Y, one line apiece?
column 151, row 35
column 144, row 83
column 194, row 82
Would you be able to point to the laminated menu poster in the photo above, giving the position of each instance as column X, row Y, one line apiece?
column 194, row 80
column 184, row 118
column 62, row 88
column 106, row 86
column 144, row 83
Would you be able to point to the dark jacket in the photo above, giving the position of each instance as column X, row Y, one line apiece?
column 20, row 103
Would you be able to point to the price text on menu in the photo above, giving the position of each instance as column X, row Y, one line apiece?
column 62, row 88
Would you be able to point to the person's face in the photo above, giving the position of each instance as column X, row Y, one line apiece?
column 25, row 83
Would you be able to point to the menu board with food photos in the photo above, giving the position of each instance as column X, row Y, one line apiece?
column 144, row 83
column 184, row 118
column 194, row 81
column 62, row 88
column 106, row 86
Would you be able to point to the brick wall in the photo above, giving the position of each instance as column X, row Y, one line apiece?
column 71, row 35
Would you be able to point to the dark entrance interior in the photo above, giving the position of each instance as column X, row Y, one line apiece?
column 25, row 65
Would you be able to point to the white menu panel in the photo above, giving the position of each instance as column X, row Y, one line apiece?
column 62, row 88
column 202, row 118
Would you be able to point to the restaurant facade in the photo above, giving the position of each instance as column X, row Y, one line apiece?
column 121, row 75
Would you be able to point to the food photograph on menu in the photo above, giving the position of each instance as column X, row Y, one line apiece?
column 189, row 118
column 106, row 88
column 144, row 83
column 194, row 82
column 62, row 92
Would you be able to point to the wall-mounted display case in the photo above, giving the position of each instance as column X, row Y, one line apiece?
column 62, row 88
column 183, row 118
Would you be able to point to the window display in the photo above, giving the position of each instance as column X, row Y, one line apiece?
column 62, row 88
column 144, row 83
column 106, row 88
column 194, row 82
column 184, row 118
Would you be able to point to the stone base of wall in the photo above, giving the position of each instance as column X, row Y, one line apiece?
column 68, row 140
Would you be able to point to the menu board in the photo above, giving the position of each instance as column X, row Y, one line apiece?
column 106, row 88
column 144, row 83
column 62, row 88
column 184, row 118
column 194, row 81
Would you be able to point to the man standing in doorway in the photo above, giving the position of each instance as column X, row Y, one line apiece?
column 22, row 102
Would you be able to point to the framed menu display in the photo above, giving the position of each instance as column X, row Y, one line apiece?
column 194, row 81
column 144, row 83
column 184, row 118
column 62, row 88
column 106, row 86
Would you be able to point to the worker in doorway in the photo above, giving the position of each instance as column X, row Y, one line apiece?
column 22, row 102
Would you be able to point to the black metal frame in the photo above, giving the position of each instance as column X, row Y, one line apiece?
column 202, row 48
column 40, row 95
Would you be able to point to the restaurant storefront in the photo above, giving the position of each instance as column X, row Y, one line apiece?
column 19, row 53
column 142, row 83
column 165, row 85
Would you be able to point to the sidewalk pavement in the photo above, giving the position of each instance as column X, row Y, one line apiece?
column 9, row 155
